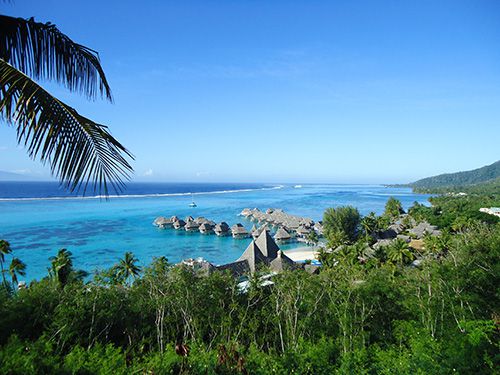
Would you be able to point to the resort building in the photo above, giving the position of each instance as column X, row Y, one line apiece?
column 282, row 235
column 206, row 228
column 222, row 229
column 491, row 211
column 239, row 231
column 191, row 226
column 179, row 224
column 260, row 253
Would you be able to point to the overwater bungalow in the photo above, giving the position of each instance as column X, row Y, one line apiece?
column 303, row 231
column 222, row 229
column 179, row 224
column 191, row 226
column 162, row 222
column 188, row 219
column 200, row 219
column 239, row 231
column 206, row 228
column 282, row 235
column 246, row 212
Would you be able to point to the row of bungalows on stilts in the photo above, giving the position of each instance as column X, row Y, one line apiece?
column 287, row 226
column 201, row 225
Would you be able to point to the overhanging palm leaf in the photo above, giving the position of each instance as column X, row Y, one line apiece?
column 41, row 51
column 78, row 150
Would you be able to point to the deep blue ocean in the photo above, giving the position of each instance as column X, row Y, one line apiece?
column 39, row 218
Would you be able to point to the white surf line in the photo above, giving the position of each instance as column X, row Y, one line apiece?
column 158, row 195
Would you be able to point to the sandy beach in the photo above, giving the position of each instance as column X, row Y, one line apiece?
column 302, row 253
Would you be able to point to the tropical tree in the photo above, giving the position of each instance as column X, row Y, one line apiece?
column 17, row 267
column 4, row 250
column 78, row 150
column 369, row 223
column 127, row 267
column 398, row 252
column 341, row 225
column 393, row 208
column 312, row 237
column 61, row 266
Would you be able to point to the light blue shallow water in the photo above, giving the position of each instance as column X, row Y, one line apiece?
column 98, row 232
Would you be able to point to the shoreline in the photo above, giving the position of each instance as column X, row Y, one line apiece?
column 302, row 253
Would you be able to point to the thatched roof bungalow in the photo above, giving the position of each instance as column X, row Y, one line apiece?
column 222, row 229
column 179, row 224
column 239, row 231
column 205, row 228
column 191, row 226
column 282, row 235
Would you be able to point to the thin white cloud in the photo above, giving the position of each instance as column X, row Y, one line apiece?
column 202, row 174
column 22, row 171
column 148, row 173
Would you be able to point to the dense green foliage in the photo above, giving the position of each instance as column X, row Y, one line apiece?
column 393, row 208
column 460, row 179
column 359, row 315
column 341, row 225
column 457, row 212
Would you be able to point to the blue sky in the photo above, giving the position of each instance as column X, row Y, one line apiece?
column 287, row 91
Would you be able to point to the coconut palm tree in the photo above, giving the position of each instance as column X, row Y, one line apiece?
column 78, row 150
column 4, row 250
column 369, row 223
column 127, row 267
column 61, row 266
column 399, row 252
column 17, row 267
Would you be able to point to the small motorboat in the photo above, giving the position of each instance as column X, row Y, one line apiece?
column 192, row 204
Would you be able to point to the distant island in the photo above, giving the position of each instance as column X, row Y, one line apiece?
column 484, row 178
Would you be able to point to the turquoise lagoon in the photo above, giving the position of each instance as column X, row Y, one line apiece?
column 98, row 232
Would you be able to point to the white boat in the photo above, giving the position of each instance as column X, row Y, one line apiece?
column 192, row 204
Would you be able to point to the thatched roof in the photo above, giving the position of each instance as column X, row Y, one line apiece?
column 191, row 225
column 179, row 223
column 282, row 263
column 253, row 256
column 421, row 229
column 162, row 221
column 205, row 227
column 282, row 234
column 188, row 219
column 222, row 227
column 303, row 230
column 237, row 268
column 267, row 245
column 238, row 229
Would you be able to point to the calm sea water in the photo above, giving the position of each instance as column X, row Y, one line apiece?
column 39, row 218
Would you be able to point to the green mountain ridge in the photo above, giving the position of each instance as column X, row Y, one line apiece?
column 489, row 174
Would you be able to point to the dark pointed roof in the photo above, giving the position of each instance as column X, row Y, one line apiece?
column 237, row 268
column 267, row 245
column 253, row 256
column 282, row 262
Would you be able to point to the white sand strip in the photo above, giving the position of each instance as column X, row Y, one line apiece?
column 302, row 253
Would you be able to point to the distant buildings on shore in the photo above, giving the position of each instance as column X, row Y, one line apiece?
column 491, row 211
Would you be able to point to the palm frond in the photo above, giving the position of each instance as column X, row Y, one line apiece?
column 78, row 150
column 41, row 51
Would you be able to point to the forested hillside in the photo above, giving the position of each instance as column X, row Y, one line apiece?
column 485, row 174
